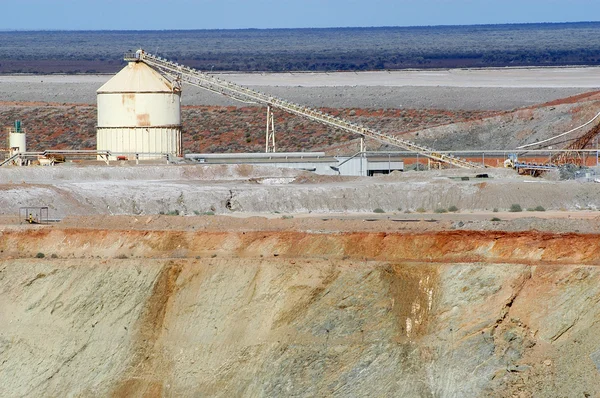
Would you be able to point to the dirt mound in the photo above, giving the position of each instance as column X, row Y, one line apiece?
column 510, row 130
column 591, row 96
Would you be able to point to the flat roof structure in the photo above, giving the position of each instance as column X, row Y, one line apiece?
column 361, row 164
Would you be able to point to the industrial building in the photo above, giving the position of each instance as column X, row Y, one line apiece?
column 362, row 164
column 173, row 75
column 139, row 118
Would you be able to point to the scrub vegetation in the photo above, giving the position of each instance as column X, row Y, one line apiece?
column 350, row 49
column 221, row 129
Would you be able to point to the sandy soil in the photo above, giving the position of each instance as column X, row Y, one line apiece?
column 587, row 222
column 504, row 77
column 493, row 89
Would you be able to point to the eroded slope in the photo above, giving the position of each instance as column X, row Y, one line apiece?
column 176, row 313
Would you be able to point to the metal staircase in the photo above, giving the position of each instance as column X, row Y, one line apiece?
column 182, row 74
column 10, row 159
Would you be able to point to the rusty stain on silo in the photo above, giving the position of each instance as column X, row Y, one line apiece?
column 143, row 120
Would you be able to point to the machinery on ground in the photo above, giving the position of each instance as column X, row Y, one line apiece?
column 532, row 168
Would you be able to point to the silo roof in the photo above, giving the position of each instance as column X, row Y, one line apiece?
column 137, row 77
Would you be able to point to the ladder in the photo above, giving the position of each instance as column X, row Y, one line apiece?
column 182, row 74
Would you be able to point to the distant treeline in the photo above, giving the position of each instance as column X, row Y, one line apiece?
column 347, row 49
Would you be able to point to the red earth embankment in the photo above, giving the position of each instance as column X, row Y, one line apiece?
column 529, row 247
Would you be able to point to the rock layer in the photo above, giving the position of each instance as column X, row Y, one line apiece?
column 172, row 313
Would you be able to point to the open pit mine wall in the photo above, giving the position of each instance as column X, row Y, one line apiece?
column 149, row 313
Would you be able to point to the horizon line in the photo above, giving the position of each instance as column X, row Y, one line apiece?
column 302, row 28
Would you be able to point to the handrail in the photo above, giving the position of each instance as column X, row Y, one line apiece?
column 13, row 157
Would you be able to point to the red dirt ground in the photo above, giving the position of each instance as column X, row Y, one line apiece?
column 220, row 129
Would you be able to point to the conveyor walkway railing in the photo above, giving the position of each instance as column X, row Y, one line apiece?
column 183, row 74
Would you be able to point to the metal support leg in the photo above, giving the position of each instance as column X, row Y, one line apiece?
column 363, row 155
column 270, row 133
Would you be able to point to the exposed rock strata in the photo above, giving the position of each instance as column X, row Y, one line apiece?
column 295, row 314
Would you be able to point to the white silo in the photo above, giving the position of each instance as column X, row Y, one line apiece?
column 17, row 142
column 139, row 112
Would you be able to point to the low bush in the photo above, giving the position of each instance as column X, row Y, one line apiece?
column 378, row 210
column 441, row 210
column 421, row 210
column 40, row 255
column 496, row 219
column 515, row 208
column 453, row 209
column 539, row 208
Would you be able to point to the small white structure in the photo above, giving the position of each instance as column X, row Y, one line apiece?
column 139, row 114
column 16, row 144
column 17, row 141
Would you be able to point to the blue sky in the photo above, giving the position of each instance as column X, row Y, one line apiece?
column 234, row 14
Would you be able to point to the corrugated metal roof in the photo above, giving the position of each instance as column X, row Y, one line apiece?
column 137, row 77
